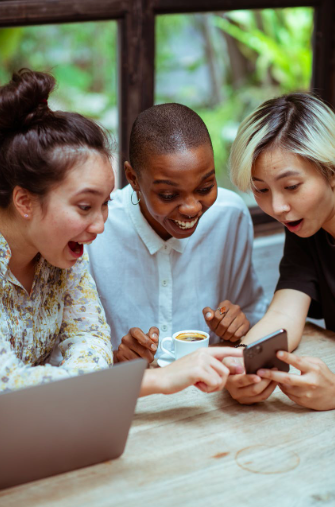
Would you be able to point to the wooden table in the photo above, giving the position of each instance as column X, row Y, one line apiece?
column 193, row 449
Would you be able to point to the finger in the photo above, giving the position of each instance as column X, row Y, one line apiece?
column 210, row 318
column 131, row 344
column 143, row 339
column 241, row 331
column 300, row 363
column 220, row 368
column 209, row 377
column 293, row 397
column 239, row 322
column 201, row 386
column 153, row 334
column 221, row 352
column 126, row 354
column 290, row 379
column 291, row 391
column 241, row 381
column 234, row 366
column 255, row 389
column 223, row 328
column 263, row 395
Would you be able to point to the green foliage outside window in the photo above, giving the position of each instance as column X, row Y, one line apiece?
column 250, row 56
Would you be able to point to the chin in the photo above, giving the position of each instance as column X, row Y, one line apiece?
column 61, row 264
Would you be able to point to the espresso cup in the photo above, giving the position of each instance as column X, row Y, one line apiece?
column 185, row 342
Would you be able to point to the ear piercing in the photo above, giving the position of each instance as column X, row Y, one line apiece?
column 132, row 198
column 26, row 216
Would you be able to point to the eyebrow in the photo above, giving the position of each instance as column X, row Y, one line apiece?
column 281, row 176
column 172, row 184
column 89, row 191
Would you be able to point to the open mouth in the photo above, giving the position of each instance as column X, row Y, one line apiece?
column 186, row 225
column 76, row 248
column 294, row 223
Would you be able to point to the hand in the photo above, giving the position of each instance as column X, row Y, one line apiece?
column 202, row 368
column 314, row 388
column 137, row 344
column 248, row 389
column 228, row 321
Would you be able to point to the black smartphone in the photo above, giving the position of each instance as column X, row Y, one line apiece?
column 262, row 354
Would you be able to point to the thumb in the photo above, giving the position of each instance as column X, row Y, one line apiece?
column 208, row 313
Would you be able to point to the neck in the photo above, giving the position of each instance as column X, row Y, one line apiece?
column 15, row 232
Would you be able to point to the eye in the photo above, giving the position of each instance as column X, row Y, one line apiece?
column 259, row 190
column 106, row 202
column 292, row 187
column 205, row 190
column 84, row 207
column 167, row 197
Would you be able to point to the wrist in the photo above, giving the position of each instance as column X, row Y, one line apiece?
column 152, row 382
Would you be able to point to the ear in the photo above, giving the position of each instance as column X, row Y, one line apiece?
column 23, row 202
column 131, row 176
column 332, row 181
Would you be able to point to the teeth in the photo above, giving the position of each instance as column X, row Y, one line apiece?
column 86, row 242
column 186, row 225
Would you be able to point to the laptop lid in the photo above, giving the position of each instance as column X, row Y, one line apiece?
column 68, row 424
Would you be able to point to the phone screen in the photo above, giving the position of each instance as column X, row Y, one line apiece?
column 262, row 353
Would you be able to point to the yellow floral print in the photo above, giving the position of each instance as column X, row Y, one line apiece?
column 63, row 304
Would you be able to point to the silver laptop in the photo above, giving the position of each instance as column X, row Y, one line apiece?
column 68, row 424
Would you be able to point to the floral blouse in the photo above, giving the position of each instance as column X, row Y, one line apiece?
column 63, row 305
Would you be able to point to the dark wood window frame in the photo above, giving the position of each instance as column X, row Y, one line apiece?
column 136, row 45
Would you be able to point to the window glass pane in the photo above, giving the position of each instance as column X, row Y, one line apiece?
column 225, row 64
column 82, row 58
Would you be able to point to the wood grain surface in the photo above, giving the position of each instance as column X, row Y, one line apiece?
column 193, row 449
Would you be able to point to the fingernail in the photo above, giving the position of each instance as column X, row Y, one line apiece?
column 260, row 372
column 208, row 315
column 153, row 347
column 155, row 336
column 280, row 354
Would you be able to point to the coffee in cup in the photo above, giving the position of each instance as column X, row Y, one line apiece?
column 191, row 337
column 185, row 342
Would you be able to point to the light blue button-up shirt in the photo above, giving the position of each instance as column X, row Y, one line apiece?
column 144, row 281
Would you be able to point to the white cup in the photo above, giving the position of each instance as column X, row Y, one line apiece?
column 184, row 347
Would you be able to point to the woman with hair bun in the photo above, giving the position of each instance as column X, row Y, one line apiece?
column 55, row 181
column 285, row 153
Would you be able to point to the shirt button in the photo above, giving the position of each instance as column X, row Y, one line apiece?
column 164, row 283
column 164, row 327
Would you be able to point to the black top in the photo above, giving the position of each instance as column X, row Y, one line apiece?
column 308, row 265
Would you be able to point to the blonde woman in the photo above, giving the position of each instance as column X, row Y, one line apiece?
column 284, row 153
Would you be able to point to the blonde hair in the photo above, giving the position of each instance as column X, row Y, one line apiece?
column 298, row 123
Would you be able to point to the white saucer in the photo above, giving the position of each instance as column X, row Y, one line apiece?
column 165, row 361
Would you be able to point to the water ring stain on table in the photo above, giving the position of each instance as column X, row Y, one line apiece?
column 262, row 459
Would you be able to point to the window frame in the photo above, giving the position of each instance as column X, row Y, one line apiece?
column 136, row 45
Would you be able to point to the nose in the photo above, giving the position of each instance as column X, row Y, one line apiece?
column 97, row 225
column 190, row 207
column 280, row 204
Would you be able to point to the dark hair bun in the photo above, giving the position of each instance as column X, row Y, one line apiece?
column 23, row 101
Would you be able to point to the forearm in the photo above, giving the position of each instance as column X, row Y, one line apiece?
column 151, row 383
column 288, row 310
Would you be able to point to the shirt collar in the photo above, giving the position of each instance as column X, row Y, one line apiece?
column 5, row 255
column 150, row 238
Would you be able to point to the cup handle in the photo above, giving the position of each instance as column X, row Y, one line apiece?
column 168, row 352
